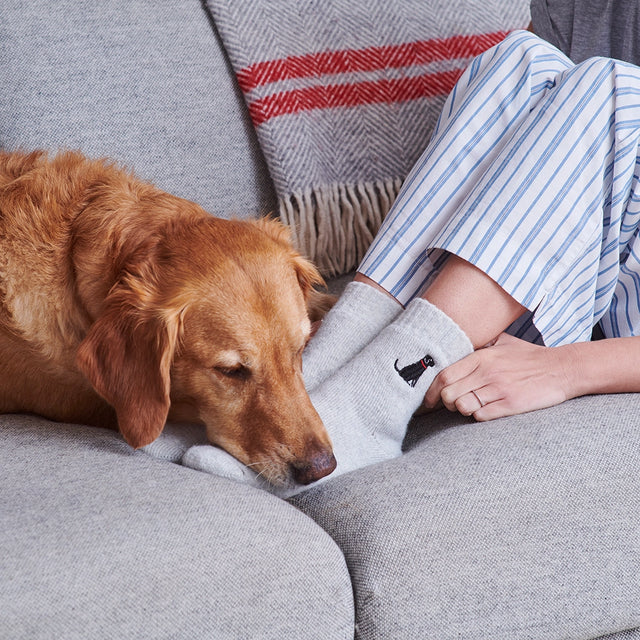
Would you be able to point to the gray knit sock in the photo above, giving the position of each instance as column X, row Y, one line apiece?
column 176, row 438
column 218, row 462
column 367, row 404
column 359, row 315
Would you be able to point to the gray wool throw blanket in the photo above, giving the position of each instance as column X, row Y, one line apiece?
column 344, row 95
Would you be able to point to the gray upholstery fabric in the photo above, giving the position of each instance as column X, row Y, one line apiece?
column 527, row 527
column 97, row 541
column 629, row 634
column 145, row 82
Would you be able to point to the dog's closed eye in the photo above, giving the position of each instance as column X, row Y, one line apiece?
column 239, row 372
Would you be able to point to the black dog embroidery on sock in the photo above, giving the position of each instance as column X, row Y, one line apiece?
column 412, row 372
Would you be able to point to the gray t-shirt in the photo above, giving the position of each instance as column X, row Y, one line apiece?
column 609, row 28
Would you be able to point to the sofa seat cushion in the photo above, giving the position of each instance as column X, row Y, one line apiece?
column 524, row 527
column 98, row 541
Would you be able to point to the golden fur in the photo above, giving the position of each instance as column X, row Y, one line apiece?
column 122, row 305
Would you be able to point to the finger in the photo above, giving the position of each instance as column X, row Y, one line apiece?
column 499, row 404
column 494, row 410
column 510, row 404
column 470, row 403
column 423, row 409
column 463, row 394
column 432, row 397
column 467, row 404
column 450, row 376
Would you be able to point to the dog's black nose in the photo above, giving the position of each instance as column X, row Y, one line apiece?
column 315, row 467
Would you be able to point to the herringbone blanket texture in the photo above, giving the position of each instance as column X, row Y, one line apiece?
column 344, row 95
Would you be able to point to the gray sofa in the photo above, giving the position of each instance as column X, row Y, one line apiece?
column 526, row 527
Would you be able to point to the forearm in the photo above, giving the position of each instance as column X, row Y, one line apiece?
column 602, row 366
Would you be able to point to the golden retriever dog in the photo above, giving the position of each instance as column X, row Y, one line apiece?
column 123, row 306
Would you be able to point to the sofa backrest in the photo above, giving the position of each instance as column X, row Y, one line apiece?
column 145, row 82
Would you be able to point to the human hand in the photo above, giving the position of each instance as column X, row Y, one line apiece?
column 508, row 377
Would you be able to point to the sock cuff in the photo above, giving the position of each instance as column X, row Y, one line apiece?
column 436, row 329
column 358, row 295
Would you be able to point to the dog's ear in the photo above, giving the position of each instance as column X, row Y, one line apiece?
column 127, row 356
column 308, row 276
column 318, row 303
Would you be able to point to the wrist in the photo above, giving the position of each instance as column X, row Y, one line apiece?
column 573, row 374
column 602, row 366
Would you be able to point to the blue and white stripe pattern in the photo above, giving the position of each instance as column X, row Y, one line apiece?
column 531, row 175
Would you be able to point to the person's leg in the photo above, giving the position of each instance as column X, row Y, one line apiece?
column 492, row 101
column 502, row 86
column 533, row 220
column 547, row 222
column 479, row 306
column 547, row 217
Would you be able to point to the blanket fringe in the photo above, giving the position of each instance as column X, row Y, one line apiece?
column 333, row 225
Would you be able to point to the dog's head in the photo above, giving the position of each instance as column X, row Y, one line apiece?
column 211, row 317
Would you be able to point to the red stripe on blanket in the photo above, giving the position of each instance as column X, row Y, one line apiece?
column 370, row 59
column 352, row 95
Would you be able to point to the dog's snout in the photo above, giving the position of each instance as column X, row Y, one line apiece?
column 314, row 467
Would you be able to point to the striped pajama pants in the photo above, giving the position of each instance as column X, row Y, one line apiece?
column 531, row 175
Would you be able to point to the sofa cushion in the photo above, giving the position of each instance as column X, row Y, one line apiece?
column 628, row 634
column 146, row 83
column 524, row 527
column 98, row 541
